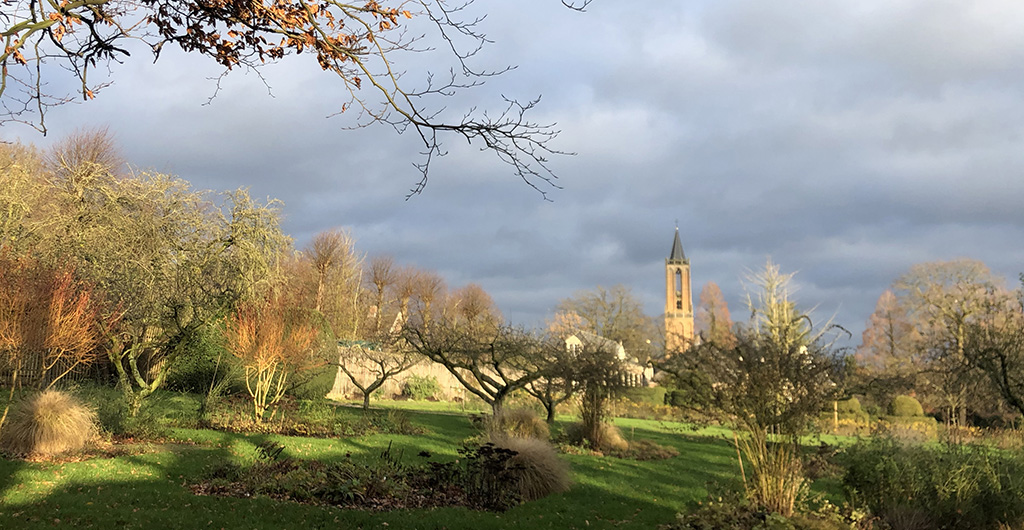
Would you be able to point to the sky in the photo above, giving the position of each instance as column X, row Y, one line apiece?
column 845, row 141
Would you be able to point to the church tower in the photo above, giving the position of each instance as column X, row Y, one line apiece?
column 678, row 300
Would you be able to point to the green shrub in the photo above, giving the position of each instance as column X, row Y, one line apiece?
column 947, row 486
column 535, row 467
column 203, row 359
column 314, row 384
column 421, row 388
column 47, row 424
column 731, row 512
column 114, row 416
column 516, row 423
column 654, row 395
column 849, row 406
column 905, row 406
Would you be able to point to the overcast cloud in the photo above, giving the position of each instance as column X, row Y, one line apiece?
column 846, row 140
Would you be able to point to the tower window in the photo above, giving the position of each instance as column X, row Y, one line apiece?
column 679, row 304
column 679, row 280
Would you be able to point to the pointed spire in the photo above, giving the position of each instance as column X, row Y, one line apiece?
column 677, row 249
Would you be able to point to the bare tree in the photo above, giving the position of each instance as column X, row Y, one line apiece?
column 994, row 344
column 357, row 43
column 942, row 299
column 614, row 314
column 369, row 365
column 488, row 358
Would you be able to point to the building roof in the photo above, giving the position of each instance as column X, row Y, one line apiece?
column 677, row 249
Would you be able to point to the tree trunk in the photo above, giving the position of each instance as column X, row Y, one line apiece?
column 366, row 401
column 550, row 407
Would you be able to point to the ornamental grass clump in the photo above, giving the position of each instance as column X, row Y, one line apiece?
column 47, row 424
column 517, row 423
column 535, row 467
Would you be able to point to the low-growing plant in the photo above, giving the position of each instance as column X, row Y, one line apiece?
column 907, row 429
column 729, row 511
column 948, row 486
column 46, row 424
column 421, row 388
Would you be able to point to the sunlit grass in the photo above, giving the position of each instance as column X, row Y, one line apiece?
column 149, row 488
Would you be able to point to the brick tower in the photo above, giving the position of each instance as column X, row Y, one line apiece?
column 678, row 300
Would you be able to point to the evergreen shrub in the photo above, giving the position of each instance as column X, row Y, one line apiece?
column 905, row 406
column 421, row 388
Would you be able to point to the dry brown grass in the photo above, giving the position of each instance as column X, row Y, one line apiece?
column 517, row 423
column 540, row 471
column 47, row 424
column 610, row 435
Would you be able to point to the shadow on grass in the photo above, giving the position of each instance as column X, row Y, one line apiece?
column 150, row 489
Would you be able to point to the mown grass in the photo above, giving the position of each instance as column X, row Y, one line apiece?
column 148, row 488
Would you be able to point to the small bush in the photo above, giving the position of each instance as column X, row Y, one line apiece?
column 421, row 388
column 516, row 423
column 535, row 467
column 314, row 384
column 905, row 406
column 47, row 424
column 849, row 406
column 611, row 437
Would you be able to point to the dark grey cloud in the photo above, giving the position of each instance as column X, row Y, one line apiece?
column 847, row 141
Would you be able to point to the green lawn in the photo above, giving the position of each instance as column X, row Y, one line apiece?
column 147, row 488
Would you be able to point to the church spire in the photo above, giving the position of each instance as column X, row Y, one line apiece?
column 678, row 300
column 677, row 255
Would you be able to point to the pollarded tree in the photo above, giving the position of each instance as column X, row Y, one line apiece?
column 331, row 271
column 556, row 382
column 359, row 44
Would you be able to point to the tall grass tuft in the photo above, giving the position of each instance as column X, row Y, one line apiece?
column 610, row 436
column 537, row 467
column 47, row 424
column 517, row 423
column 776, row 476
